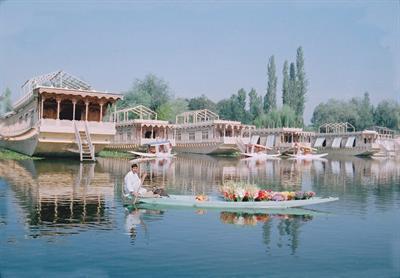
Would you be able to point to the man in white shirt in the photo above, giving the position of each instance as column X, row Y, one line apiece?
column 133, row 184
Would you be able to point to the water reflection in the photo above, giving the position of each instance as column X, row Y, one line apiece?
column 54, row 197
column 136, row 217
column 57, row 198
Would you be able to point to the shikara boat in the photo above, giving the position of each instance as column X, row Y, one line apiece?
column 219, row 203
column 156, row 150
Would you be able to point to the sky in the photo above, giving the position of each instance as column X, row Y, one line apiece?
column 206, row 47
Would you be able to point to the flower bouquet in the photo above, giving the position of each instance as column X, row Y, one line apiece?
column 241, row 192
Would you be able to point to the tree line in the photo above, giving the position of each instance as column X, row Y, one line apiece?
column 246, row 107
column 359, row 112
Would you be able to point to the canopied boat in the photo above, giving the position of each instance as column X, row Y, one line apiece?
column 305, row 152
column 59, row 115
column 253, row 150
column 161, row 149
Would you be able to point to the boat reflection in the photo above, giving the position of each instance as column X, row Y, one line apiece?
column 252, row 219
column 136, row 218
column 58, row 198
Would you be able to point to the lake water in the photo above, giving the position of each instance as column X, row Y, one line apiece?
column 66, row 219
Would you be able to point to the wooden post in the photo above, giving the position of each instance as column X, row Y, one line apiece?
column 87, row 110
column 73, row 109
column 58, row 108
column 42, row 106
column 101, row 111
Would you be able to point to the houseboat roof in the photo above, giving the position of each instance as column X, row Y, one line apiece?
column 59, row 82
column 75, row 92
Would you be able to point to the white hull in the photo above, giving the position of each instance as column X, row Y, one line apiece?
column 153, row 155
column 260, row 156
column 207, row 148
column 218, row 203
column 308, row 156
column 54, row 139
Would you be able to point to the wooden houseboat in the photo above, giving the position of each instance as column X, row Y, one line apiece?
column 342, row 139
column 202, row 132
column 59, row 115
column 138, row 126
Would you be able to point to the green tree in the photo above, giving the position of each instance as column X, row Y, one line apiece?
column 365, row 112
column 168, row 111
column 152, row 92
column 284, row 117
column 270, row 96
column 285, row 84
column 291, row 99
column 255, row 104
column 387, row 114
column 240, row 105
column 5, row 102
column 225, row 108
column 301, row 84
column 202, row 102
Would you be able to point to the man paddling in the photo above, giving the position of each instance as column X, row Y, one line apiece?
column 133, row 184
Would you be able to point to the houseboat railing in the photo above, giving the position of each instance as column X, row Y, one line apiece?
column 91, row 147
column 78, row 138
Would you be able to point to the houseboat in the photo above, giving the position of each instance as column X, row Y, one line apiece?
column 342, row 139
column 137, row 127
column 59, row 115
column 202, row 132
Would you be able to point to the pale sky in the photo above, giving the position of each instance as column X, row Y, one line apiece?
column 206, row 47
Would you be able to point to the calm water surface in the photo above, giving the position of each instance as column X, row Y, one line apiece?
column 66, row 219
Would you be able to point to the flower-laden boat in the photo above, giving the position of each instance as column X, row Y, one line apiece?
column 237, row 197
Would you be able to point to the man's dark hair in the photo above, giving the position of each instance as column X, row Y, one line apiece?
column 134, row 165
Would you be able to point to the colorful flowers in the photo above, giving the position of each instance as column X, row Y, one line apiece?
column 239, row 192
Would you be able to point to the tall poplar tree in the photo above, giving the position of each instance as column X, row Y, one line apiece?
column 285, row 84
column 255, row 104
column 270, row 97
column 301, row 84
column 292, row 87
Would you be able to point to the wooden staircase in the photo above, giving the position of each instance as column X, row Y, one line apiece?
column 86, row 148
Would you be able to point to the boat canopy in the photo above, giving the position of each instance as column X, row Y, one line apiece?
column 350, row 142
column 319, row 142
column 270, row 141
column 336, row 142
column 254, row 139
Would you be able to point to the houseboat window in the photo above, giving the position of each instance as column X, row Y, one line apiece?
column 192, row 136
column 66, row 110
column 365, row 140
column 204, row 134
column 178, row 135
column 129, row 135
column 50, row 109
column 80, row 111
column 147, row 134
column 228, row 133
column 94, row 112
